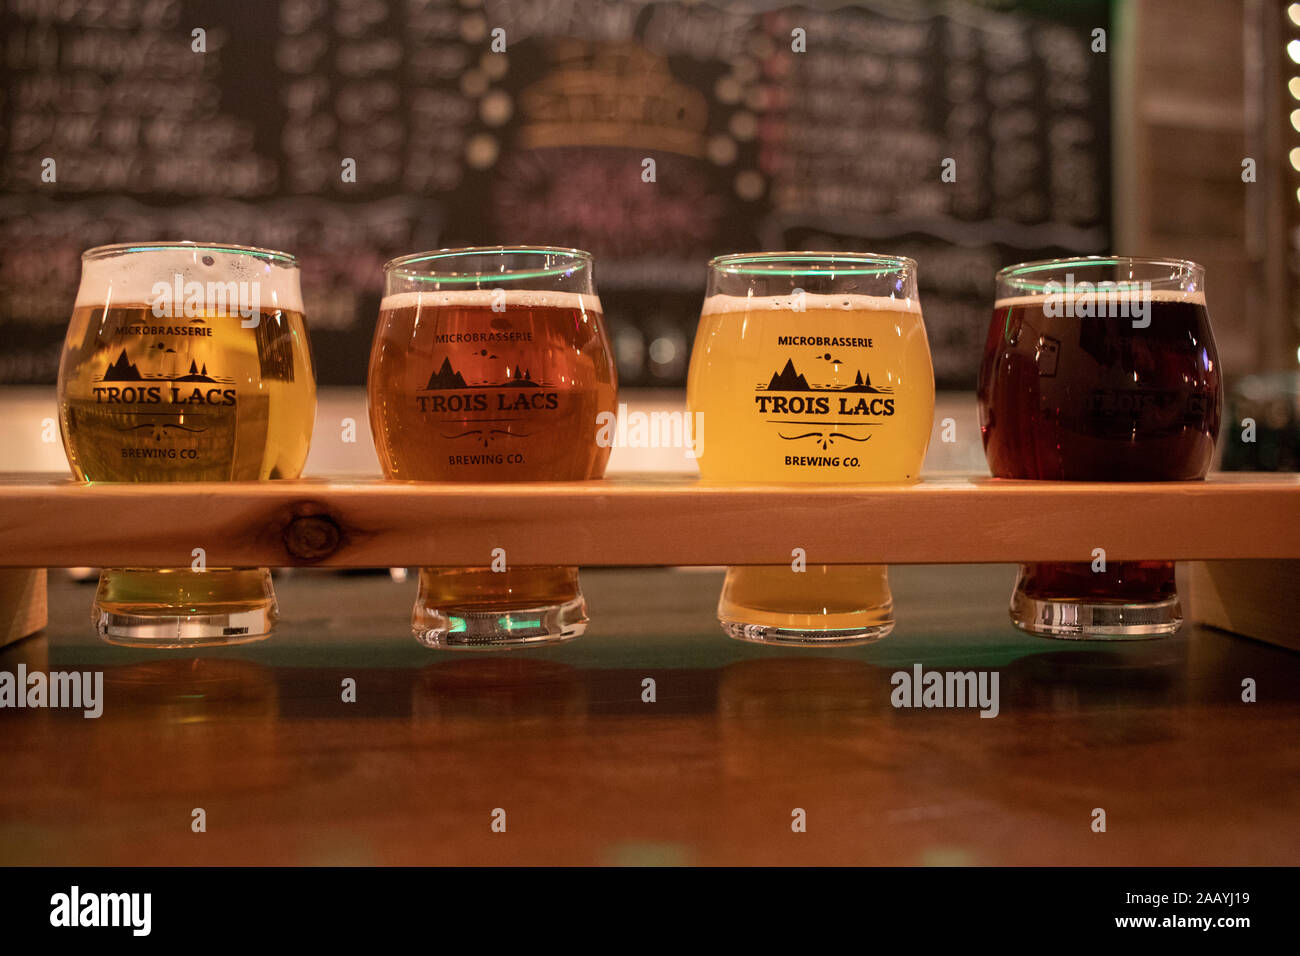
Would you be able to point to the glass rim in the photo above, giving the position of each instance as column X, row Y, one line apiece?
column 1045, row 265
column 576, row 259
column 869, row 263
column 122, row 248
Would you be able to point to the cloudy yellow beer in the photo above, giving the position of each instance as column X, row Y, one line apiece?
column 811, row 388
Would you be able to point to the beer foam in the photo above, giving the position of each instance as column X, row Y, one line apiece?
column 847, row 302
column 129, row 278
column 485, row 298
column 1104, row 295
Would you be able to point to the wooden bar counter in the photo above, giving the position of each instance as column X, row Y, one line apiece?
column 738, row 737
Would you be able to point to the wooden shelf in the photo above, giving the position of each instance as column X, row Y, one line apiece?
column 642, row 521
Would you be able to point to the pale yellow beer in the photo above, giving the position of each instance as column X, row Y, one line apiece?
column 219, row 403
column 186, row 362
column 819, row 388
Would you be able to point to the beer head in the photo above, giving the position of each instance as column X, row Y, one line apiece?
column 818, row 302
column 176, row 278
column 504, row 300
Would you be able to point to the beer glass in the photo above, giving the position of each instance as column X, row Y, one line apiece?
column 492, row 364
column 186, row 362
column 811, row 367
column 1099, row 369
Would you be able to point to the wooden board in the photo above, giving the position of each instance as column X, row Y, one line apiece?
column 666, row 521
column 23, row 605
column 1260, row 599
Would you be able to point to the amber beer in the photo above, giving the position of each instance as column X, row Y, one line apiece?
column 492, row 365
column 811, row 367
column 186, row 362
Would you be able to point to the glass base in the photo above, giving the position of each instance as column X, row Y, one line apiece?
column 798, row 637
column 187, row 630
column 468, row 629
column 822, row 606
column 181, row 607
column 1095, row 621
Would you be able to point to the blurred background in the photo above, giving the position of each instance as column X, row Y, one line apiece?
column 1150, row 127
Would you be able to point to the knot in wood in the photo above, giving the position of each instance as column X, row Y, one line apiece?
column 312, row 537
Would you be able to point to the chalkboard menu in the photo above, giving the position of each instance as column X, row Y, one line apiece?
column 472, row 122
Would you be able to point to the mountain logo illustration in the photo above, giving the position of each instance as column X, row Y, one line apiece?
column 446, row 377
column 520, row 380
column 195, row 374
column 863, row 385
column 789, row 379
column 124, row 370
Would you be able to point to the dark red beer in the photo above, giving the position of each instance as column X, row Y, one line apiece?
column 1086, row 382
